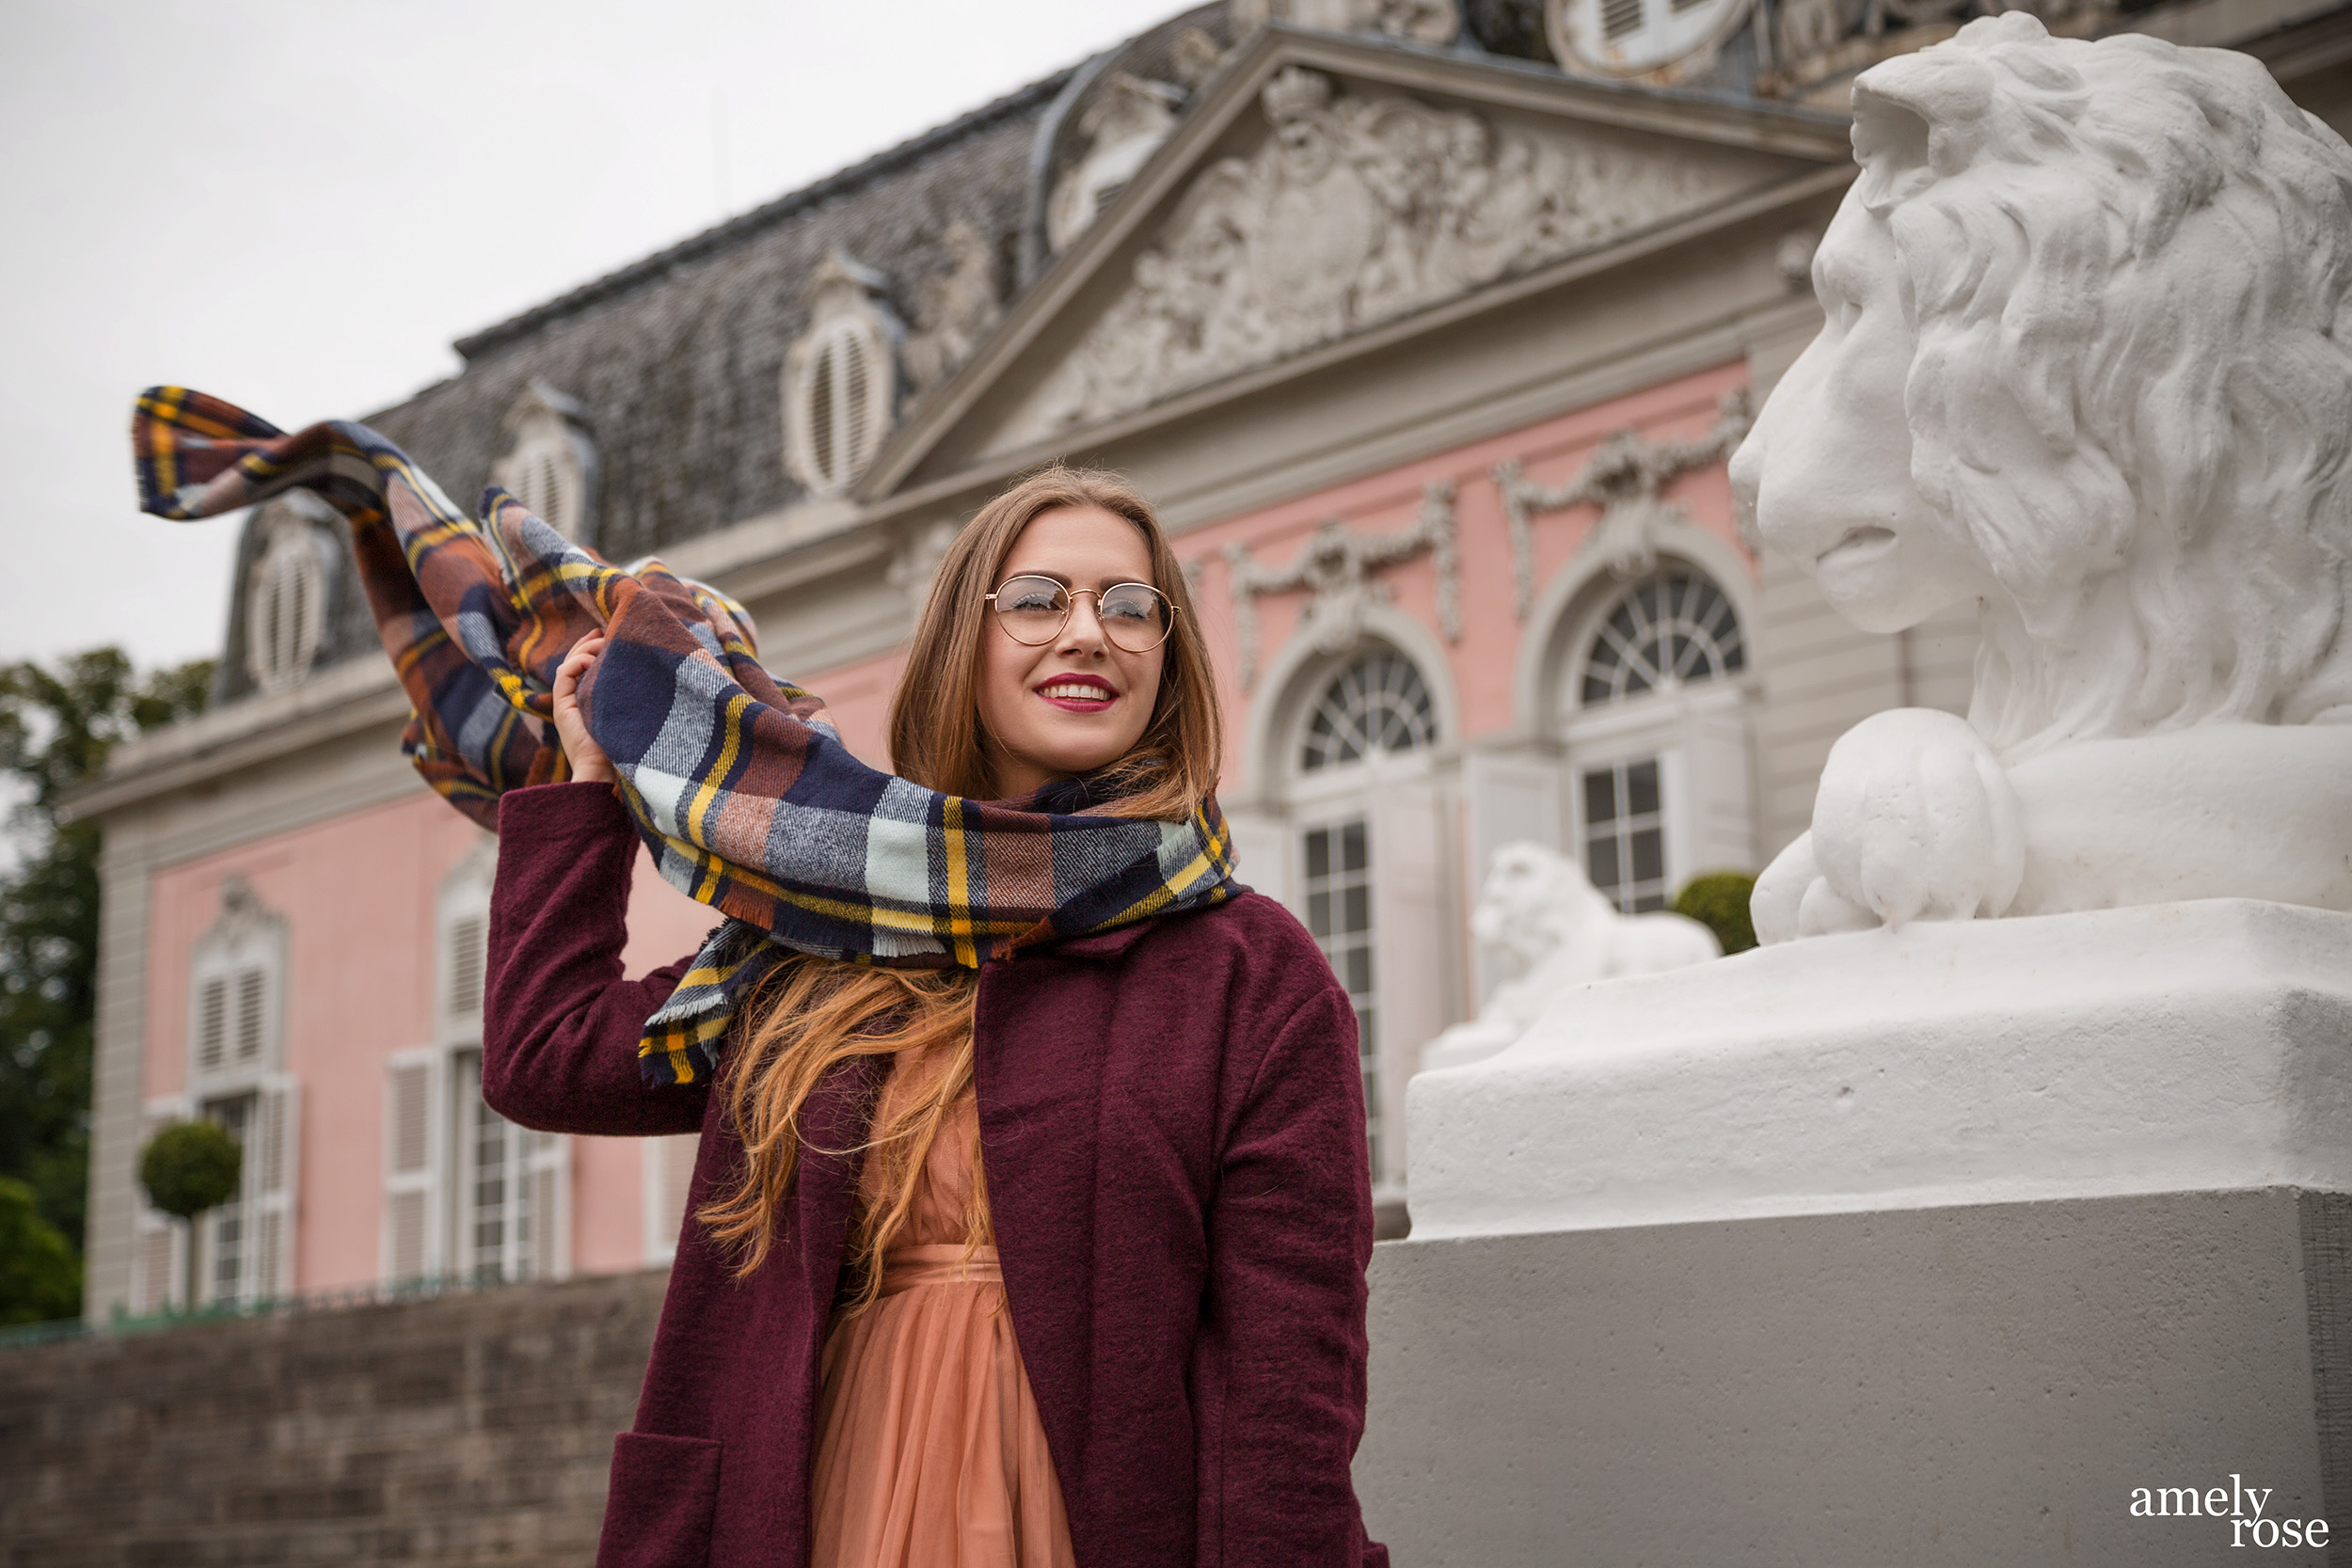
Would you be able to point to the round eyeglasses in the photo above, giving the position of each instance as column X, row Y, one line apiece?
column 1134, row 616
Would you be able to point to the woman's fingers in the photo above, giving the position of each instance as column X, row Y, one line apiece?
column 577, row 663
column 588, row 761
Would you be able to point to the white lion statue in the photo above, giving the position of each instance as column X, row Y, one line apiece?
column 2087, row 362
column 1537, row 908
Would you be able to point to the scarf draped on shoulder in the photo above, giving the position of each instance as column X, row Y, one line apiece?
column 736, row 782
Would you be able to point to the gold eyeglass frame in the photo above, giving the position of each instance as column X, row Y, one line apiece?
column 1166, row 626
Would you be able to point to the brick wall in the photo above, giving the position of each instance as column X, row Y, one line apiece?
column 471, row 1429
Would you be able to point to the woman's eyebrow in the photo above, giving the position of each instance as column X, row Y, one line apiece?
column 1109, row 580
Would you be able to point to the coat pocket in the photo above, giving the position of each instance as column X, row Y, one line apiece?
column 658, row 1513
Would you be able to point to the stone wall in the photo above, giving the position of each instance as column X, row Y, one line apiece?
column 469, row 1429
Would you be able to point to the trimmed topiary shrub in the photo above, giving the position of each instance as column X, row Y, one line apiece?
column 1719, row 901
column 191, row 1166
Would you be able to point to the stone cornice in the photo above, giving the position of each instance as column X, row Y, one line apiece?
column 347, row 697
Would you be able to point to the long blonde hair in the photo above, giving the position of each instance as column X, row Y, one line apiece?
column 817, row 1015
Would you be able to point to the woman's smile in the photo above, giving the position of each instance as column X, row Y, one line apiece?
column 1075, row 693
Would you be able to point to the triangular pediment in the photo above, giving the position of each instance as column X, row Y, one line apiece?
column 1324, row 191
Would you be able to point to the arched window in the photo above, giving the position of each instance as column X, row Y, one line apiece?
column 285, row 605
column 840, row 380
column 551, row 461
column 1361, row 804
column 1656, row 728
column 548, row 485
column 1673, row 629
column 1377, row 704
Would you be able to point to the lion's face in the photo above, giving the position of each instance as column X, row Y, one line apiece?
column 1827, row 472
column 1534, row 898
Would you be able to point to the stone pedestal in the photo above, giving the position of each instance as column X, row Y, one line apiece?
column 1921, row 1246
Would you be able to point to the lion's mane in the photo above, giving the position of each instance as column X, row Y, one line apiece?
column 2128, row 266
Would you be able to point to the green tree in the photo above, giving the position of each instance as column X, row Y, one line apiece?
column 40, row 1278
column 187, row 1168
column 58, row 722
column 1719, row 901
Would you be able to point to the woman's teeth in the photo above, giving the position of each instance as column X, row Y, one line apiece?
column 1076, row 692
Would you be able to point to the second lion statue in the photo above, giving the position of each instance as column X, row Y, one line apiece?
column 2088, row 363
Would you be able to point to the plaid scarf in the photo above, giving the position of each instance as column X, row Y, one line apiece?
column 737, row 783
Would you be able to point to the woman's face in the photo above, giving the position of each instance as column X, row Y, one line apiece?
column 1077, row 702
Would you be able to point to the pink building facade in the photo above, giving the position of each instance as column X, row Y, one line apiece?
column 1432, row 363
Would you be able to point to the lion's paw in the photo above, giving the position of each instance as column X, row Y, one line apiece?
column 1916, row 820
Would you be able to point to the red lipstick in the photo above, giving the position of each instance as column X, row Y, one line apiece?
column 1076, row 694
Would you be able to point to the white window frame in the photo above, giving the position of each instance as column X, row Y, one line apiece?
column 1392, row 793
column 533, row 1213
column 432, row 1110
column 263, row 1211
column 238, row 975
column 159, row 1256
column 1698, row 733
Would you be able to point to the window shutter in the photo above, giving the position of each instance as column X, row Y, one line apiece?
column 159, row 1256
column 273, row 1155
column 211, row 1023
column 469, row 956
column 412, row 1166
column 252, row 1013
column 158, row 1263
column 856, row 397
column 824, row 423
column 1408, row 935
column 548, row 1166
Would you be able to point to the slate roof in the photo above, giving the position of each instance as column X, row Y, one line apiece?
column 677, row 360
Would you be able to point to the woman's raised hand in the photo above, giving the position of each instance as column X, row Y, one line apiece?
column 589, row 763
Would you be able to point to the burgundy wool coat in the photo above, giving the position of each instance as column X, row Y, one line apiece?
column 1173, row 1124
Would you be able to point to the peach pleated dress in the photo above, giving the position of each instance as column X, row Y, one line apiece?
column 929, row 1452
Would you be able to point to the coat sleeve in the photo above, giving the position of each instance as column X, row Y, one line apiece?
column 1290, row 1235
column 560, row 1025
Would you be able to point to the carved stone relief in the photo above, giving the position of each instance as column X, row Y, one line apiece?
column 916, row 562
column 1357, row 210
column 954, row 310
column 1122, row 128
column 1623, row 479
column 1336, row 566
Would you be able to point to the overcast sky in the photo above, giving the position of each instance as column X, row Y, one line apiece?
column 298, row 206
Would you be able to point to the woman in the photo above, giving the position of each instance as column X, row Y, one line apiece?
column 1057, row 1261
